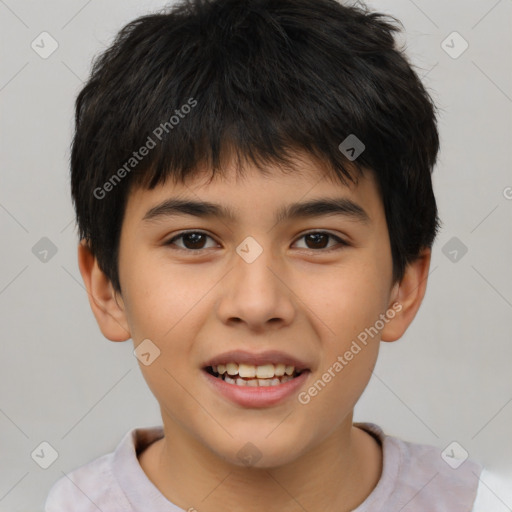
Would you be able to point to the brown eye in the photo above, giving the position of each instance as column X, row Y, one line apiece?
column 192, row 240
column 318, row 240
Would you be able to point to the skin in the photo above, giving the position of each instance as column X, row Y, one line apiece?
column 294, row 297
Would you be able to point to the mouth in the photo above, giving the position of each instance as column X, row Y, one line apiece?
column 256, row 380
column 249, row 375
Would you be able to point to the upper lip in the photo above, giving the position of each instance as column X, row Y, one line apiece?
column 257, row 359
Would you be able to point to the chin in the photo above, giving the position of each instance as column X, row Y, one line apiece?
column 260, row 452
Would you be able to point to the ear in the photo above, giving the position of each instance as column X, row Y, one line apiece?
column 407, row 296
column 102, row 298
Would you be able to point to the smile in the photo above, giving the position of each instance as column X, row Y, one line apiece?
column 240, row 374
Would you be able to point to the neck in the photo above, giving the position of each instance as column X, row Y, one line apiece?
column 337, row 474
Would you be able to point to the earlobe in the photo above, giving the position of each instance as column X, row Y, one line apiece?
column 407, row 297
column 109, row 314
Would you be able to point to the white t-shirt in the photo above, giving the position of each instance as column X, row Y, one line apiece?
column 415, row 478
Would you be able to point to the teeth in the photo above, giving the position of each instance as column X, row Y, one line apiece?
column 255, row 382
column 229, row 380
column 249, row 371
column 232, row 368
column 265, row 372
column 255, row 376
column 279, row 370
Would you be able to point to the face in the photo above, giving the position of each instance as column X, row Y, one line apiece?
column 269, row 295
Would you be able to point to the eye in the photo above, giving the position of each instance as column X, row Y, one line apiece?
column 318, row 239
column 194, row 241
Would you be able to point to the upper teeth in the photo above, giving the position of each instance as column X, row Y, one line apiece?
column 265, row 371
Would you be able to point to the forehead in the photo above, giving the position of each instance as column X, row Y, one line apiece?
column 305, row 188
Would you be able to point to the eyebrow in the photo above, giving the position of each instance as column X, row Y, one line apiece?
column 341, row 206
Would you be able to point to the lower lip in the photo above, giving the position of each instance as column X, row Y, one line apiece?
column 261, row 396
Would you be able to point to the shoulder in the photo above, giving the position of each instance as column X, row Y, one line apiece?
column 420, row 477
column 86, row 489
column 109, row 483
column 93, row 486
column 451, row 465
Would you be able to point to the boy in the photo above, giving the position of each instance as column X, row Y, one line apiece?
column 252, row 183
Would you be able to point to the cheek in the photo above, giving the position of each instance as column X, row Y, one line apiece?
column 161, row 296
column 162, row 306
column 347, row 301
column 349, row 306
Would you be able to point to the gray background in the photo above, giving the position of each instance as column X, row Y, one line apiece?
column 447, row 379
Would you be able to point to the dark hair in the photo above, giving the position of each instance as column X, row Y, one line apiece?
column 256, row 80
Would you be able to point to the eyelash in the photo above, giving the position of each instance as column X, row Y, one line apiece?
column 341, row 243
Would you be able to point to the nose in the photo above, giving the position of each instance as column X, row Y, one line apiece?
column 257, row 294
